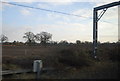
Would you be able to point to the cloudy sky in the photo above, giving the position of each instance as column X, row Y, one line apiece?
column 16, row 20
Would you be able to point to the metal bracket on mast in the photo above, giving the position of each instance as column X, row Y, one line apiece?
column 96, row 18
column 101, row 14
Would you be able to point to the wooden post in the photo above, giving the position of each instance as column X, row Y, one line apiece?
column 25, row 51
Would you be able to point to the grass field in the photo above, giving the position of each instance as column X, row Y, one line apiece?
column 71, row 61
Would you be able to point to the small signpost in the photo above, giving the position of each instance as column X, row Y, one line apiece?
column 37, row 67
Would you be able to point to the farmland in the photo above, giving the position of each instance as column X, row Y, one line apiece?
column 71, row 61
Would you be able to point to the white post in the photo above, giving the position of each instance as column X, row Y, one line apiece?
column 37, row 67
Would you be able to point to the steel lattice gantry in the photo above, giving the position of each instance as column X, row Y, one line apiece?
column 96, row 18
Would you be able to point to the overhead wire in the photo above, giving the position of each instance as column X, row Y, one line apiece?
column 48, row 10
column 43, row 9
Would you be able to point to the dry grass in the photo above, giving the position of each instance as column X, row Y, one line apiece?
column 71, row 61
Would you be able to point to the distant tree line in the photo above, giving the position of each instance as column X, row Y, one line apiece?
column 42, row 38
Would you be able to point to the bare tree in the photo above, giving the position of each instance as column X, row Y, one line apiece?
column 3, row 38
column 43, row 37
column 38, row 37
column 30, row 37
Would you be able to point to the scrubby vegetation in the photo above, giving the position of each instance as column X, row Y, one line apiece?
column 71, row 61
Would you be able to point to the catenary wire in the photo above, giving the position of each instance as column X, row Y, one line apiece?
column 48, row 10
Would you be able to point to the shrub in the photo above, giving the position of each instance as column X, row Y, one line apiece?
column 75, row 58
column 113, row 55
